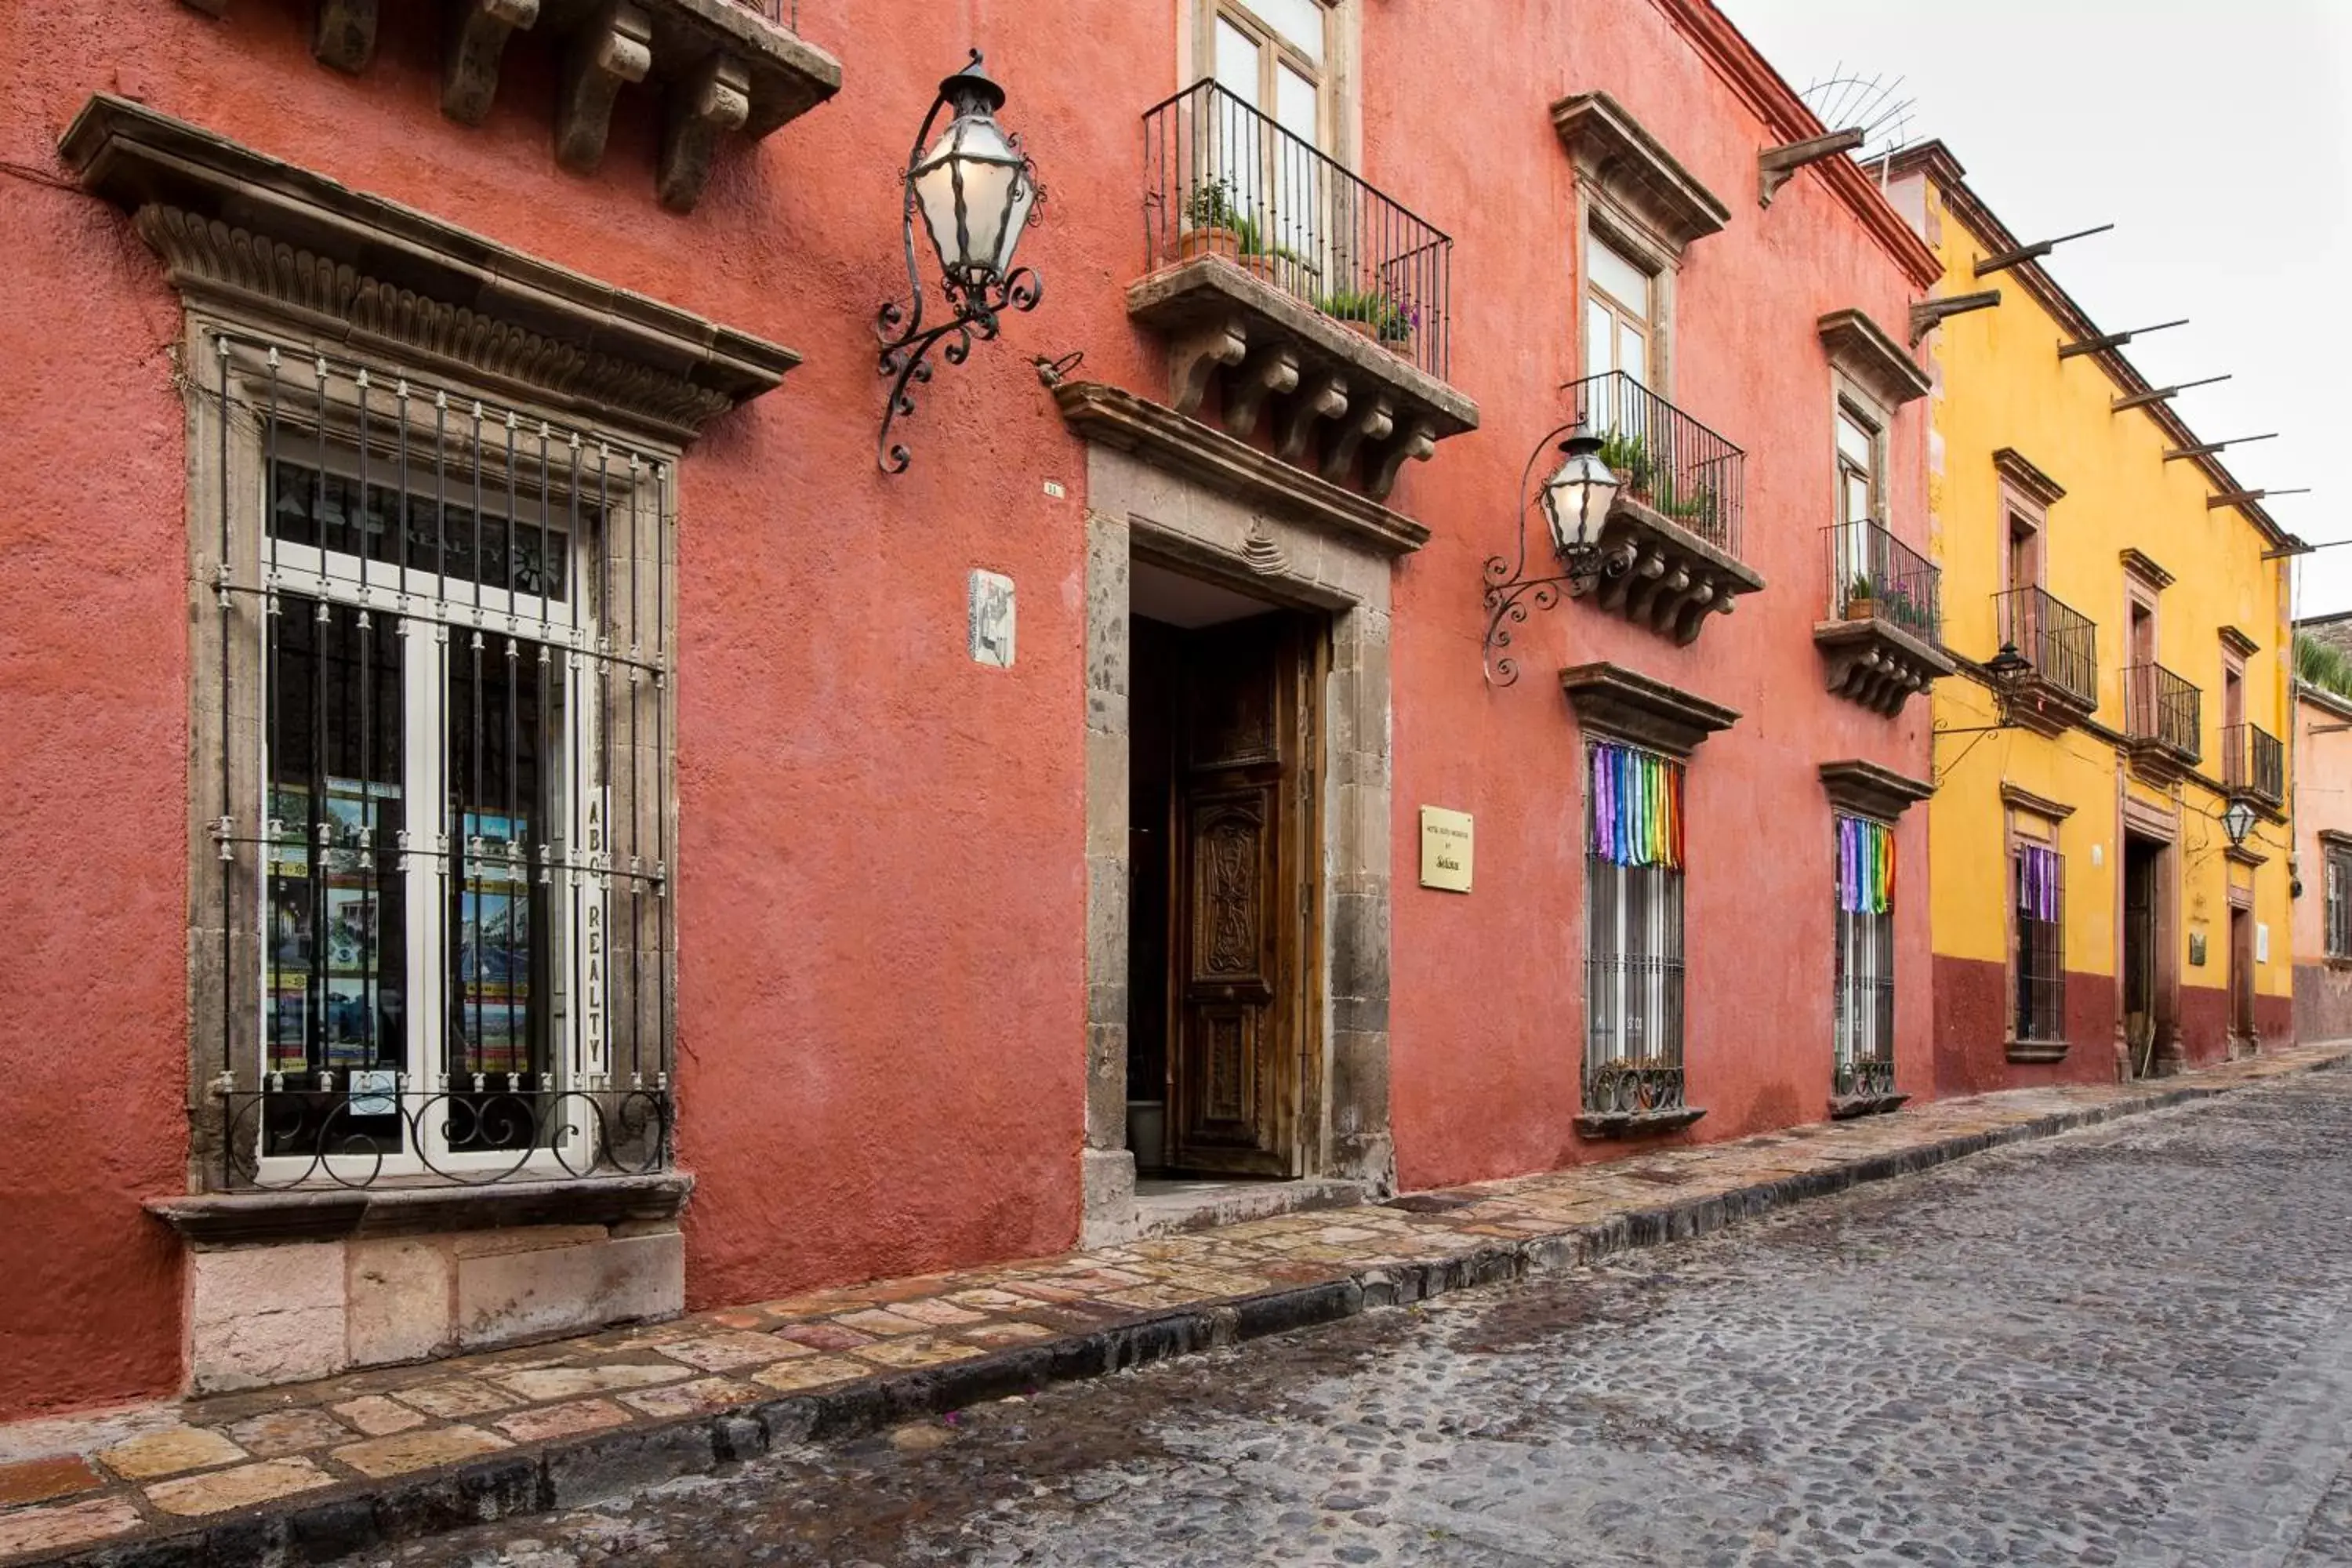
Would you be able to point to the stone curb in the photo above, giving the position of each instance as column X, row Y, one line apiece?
column 324, row 1527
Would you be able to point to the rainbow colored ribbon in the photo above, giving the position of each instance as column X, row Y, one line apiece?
column 1865, row 867
column 1637, row 807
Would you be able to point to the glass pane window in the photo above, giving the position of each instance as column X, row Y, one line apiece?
column 1297, row 23
column 1237, row 67
column 1615, row 276
column 2339, row 903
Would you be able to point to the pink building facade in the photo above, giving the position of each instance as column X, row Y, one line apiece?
column 521, row 822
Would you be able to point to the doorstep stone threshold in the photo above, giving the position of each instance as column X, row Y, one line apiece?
column 1168, row 1208
column 316, row 1472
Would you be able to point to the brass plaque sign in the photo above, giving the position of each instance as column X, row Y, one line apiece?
column 1444, row 849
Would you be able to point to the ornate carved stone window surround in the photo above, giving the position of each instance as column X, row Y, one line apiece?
column 723, row 67
column 430, row 558
column 431, row 555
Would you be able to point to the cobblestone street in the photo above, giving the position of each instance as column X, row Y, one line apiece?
column 2128, row 1345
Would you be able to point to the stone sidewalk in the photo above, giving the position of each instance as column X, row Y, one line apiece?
column 309, row 1472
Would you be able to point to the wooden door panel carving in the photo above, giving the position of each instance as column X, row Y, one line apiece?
column 1234, row 1062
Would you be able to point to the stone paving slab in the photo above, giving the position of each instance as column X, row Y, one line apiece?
column 308, row 1472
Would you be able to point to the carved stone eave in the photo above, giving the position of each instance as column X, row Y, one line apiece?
column 2040, row 805
column 237, row 227
column 2239, row 643
column 2137, row 562
column 1867, row 789
column 2239, row 854
column 1671, row 579
column 1610, row 148
column 1878, row 664
column 722, row 68
column 1860, row 348
column 2037, row 485
column 1171, row 441
column 1627, row 705
column 2034, row 702
column 2161, row 763
column 1338, row 400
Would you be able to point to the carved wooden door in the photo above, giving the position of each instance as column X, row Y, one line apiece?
column 1234, row 1070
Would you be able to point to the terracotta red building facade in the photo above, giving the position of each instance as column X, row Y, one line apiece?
column 521, row 821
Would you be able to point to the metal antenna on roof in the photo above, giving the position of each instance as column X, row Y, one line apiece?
column 1871, row 104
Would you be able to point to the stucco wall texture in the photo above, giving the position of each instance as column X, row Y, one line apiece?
column 881, row 899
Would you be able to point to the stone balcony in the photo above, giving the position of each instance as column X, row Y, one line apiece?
column 722, row 67
column 1883, row 641
column 1300, row 306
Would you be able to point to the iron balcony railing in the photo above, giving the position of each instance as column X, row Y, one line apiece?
column 1663, row 458
column 785, row 14
column 2253, row 762
column 1875, row 576
column 1224, row 179
column 2058, row 640
column 2161, row 707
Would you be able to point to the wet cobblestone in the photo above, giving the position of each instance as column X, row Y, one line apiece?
column 2130, row 1345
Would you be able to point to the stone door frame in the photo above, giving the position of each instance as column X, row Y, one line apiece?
column 1136, row 509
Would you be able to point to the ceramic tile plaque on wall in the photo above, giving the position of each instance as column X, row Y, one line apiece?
column 1444, row 849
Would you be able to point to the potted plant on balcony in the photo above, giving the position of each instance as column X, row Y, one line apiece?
column 1212, row 225
column 1861, row 599
column 1372, row 313
column 1628, row 457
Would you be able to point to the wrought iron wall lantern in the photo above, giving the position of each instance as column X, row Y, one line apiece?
column 2237, row 821
column 1573, row 499
column 974, row 189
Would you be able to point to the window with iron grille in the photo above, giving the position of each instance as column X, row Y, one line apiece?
column 2038, row 877
column 438, row 697
column 2339, row 901
column 1862, row 1027
column 1633, row 931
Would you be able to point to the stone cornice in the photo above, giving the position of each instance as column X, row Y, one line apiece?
column 2239, row 643
column 1865, row 787
column 1180, row 444
column 2013, row 466
column 2139, row 565
column 2239, row 854
column 241, row 228
column 1610, row 147
column 1625, row 704
column 1860, row 348
column 1785, row 117
column 1934, row 162
column 2040, row 805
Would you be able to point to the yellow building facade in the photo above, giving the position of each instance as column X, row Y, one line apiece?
column 2125, row 677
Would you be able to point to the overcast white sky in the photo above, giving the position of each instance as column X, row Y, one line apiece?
column 2215, row 137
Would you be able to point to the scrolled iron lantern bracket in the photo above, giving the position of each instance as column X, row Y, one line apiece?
column 973, row 190
column 1573, row 502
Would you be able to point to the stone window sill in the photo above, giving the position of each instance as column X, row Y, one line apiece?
column 2038, row 1051
column 332, row 1214
column 1845, row 1107
column 1635, row 1123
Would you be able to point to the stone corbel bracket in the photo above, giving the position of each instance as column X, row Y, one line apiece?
column 1878, row 664
column 1672, row 580
column 1340, row 405
column 722, row 69
column 238, row 228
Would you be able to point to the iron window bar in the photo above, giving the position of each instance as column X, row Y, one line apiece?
column 410, row 587
column 1664, row 459
column 2162, row 706
column 2059, row 642
column 2040, row 1010
column 1223, row 178
column 1633, row 982
column 2253, row 762
column 1862, row 1020
column 1876, row 576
